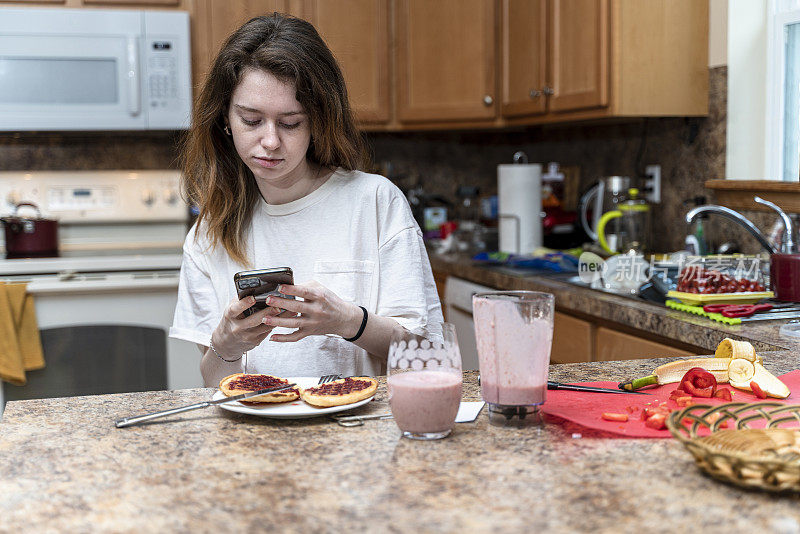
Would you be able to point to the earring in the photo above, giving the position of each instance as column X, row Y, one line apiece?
column 227, row 130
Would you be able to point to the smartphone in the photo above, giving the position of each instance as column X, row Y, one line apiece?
column 262, row 283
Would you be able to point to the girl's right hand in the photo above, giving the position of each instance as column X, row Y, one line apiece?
column 236, row 334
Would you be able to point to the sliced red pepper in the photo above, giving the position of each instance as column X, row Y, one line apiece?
column 678, row 393
column 706, row 393
column 698, row 382
column 724, row 394
column 610, row 416
column 684, row 401
column 699, row 392
column 656, row 421
column 757, row 390
column 699, row 378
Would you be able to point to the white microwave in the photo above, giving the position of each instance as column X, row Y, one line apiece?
column 88, row 69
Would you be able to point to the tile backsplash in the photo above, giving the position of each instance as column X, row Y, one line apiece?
column 689, row 150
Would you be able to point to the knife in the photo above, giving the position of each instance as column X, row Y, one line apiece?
column 575, row 387
column 135, row 420
column 590, row 389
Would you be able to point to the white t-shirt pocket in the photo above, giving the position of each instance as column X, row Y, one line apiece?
column 351, row 280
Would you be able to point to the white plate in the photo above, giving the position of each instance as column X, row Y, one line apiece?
column 288, row 410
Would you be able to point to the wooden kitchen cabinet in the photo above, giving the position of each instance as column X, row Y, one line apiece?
column 446, row 61
column 573, row 339
column 524, row 56
column 554, row 54
column 578, row 58
column 213, row 21
column 582, row 340
column 358, row 34
column 603, row 58
column 614, row 345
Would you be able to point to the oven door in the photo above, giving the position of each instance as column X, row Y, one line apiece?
column 61, row 81
column 107, row 334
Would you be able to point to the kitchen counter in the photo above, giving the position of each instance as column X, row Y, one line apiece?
column 64, row 467
column 636, row 314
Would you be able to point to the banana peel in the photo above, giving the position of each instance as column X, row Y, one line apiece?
column 672, row 372
column 732, row 349
column 735, row 362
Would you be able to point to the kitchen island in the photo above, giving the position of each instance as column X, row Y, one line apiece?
column 64, row 467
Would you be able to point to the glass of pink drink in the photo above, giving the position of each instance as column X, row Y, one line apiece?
column 424, row 382
column 514, row 333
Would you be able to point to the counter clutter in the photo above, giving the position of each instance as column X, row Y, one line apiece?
column 638, row 315
column 65, row 467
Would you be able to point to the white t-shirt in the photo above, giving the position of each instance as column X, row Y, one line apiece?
column 354, row 235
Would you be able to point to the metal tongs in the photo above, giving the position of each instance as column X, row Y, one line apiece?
column 358, row 420
column 135, row 420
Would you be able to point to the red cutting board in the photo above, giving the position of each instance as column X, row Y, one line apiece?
column 585, row 408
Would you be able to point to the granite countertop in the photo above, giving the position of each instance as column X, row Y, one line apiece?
column 638, row 314
column 64, row 467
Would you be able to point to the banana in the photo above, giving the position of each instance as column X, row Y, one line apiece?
column 741, row 371
column 730, row 348
column 734, row 361
column 745, row 366
column 769, row 383
column 673, row 372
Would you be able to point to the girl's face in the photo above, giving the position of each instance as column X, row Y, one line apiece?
column 271, row 133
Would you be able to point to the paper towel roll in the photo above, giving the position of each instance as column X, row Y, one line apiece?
column 519, row 198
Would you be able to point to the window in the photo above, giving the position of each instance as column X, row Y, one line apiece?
column 783, row 93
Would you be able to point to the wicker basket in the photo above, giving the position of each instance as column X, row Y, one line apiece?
column 760, row 448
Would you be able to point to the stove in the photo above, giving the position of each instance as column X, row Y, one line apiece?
column 105, row 304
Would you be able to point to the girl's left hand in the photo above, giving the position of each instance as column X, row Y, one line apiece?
column 320, row 312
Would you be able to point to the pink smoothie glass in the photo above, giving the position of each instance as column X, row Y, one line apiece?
column 514, row 333
column 424, row 382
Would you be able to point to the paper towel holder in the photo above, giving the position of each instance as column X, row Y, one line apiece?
column 520, row 157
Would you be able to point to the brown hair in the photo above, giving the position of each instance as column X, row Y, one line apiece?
column 215, row 178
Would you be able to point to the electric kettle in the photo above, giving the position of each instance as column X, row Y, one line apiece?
column 603, row 197
column 633, row 225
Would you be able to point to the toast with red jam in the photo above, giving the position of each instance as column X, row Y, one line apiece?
column 339, row 392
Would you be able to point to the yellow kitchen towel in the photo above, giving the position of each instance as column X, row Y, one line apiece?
column 20, row 343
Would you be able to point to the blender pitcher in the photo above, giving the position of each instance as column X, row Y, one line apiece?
column 633, row 226
column 514, row 334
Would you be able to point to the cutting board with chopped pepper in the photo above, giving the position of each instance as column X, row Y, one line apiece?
column 587, row 409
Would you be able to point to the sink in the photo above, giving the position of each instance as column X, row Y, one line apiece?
column 646, row 294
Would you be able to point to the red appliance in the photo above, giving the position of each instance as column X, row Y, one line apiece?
column 30, row 237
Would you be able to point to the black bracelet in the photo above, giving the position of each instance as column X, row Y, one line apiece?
column 361, row 328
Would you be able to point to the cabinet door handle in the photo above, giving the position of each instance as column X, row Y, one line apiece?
column 488, row 100
column 534, row 93
column 547, row 90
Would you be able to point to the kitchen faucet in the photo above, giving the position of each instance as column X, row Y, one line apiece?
column 787, row 245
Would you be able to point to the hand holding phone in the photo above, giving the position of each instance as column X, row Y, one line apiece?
column 262, row 283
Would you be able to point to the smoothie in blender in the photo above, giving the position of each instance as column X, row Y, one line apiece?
column 514, row 333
